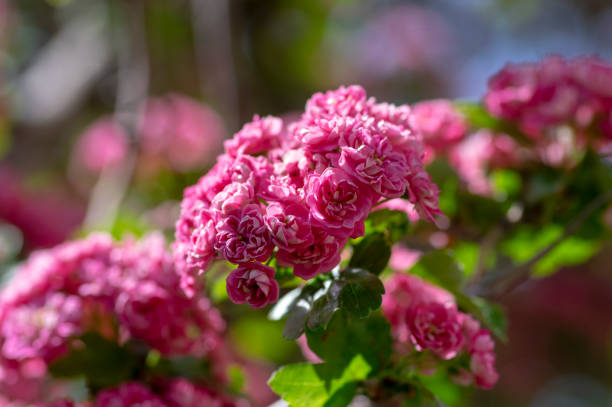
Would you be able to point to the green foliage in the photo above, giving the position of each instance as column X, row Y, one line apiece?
column 101, row 362
column 372, row 253
column 259, row 338
column 490, row 314
column 392, row 224
column 440, row 268
column 319, row 385
column 528, row 240
column 356, row 291
column 361, row 292
column 346, row 337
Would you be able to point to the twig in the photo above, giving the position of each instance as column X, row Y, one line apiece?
column 509, row 280
column 213, row 46
column 132, row 87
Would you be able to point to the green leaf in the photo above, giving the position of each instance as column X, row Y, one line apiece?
column 393, row 224
column 440, row 268
column 372, row 253
column 490, row 314
column 506, row 183
column 478, row 117
column 101, row 362
column 319, row 385
column 324, row 307
column 361, row 292
column 346, row 337
column 180, row 366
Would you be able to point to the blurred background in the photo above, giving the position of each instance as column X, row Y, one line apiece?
column 103, row 104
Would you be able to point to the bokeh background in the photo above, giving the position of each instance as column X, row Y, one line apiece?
column 183, row 75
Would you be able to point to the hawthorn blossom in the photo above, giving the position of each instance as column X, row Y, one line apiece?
column 298, row 191
column 425, row 317
column 289, row 225
column 242, row 236
column 256, row 137
column 435, row 327
column 320, row 257
column 253, row 283
column 128, row 395
column 338, row 204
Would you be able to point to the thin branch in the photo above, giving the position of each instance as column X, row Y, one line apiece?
column 132, row 86
column 509, row 280
column 215, row 62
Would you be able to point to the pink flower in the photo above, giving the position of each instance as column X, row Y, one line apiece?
column 373, row 161
column 253, row 283
column 436, row 327
column 482, row 366
column 424, row 194
column 440, row 124
column 289, row 225
column 345, row 101
column 320, row 257
column 182, row 131
column 128, row 395
column 242, row 236
column 183, row 393
column 402, row 259
column 42, row 330
column 104, row 144
column 404, row 291
column 256, row 137
column 338, row 203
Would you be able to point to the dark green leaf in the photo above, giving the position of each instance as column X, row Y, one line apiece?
column 324, row 307
column 372, row 253
column 319, row 385
column 361, row 292
column 346, row 337
column 101, row 362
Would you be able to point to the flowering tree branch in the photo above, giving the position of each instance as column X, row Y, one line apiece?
column 505, row 281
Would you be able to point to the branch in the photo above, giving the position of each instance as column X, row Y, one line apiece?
column 508, row 280
column 132, row 86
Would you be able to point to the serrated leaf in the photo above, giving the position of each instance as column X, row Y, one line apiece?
column 324, row 307
column 296, row 322
column 372, row 253
column 440, row 268
column 361, row 292
column 346, row 337
column 319, row 385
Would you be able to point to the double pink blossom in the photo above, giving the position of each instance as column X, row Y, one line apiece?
column 242, row 236
column 338, row 203
column 253, row 283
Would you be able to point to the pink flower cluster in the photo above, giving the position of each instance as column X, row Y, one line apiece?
column 425, row 317
column 299, row 191
column 174, row 393
column 122, row 291
column 173, row 130
column 446, row 135
column 554, row 92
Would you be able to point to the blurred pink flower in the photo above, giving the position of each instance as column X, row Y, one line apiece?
column 184, row 132
column 102, row 145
